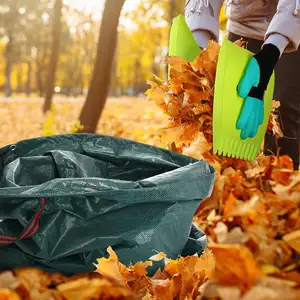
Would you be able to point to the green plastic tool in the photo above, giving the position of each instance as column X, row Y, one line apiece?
column 232, row 63
column 182, row 42
column 231, row 66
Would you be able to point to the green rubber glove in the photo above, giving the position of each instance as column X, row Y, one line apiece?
column 252, row 88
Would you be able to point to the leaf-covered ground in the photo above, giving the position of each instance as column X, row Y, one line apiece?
column 252, row 219
column 130, row 118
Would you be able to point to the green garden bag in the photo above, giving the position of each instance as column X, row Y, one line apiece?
column 65, row 199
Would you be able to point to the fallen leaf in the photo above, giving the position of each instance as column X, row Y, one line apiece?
column 140, row 268
column 221, row 231
column 7, row 294
column 198, row 147
column 110, row 267
column 293, row 240
column 269, row 269
column 97, row 288
column 159, row 256
column 229, row 205
column 8, row 280
column 238, row 269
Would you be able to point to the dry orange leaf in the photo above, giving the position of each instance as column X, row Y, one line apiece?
column 293, row 240
column 235, row 265
column 8, row 280
column 96, row 288
column 159, row 256
column 170, row 135
column 140, row 268
column 198, row 147
column 111, row 267
column 6, row 294
column 229, row 204
column 167, row 289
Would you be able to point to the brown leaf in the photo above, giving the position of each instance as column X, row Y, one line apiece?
column 214, row 290
column 236, row 236
column 8, row 280
column 159, row 256
column 7, row 294
column 111, row 267
column 255, row 171
column 170, row 135
column 293, row 240
column 238, row 269
column 198, row 147
column 96, row 288
column 155, row 93
column 229, row 205
column 241, row 43
column 269, row 293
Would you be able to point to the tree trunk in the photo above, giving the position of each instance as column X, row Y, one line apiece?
column 8, row 69
column 154, row 65
column 41, row 67
column 113, row 82
column 100, row 82
column 28, row 82
column 19, row 78
column 56, row 31
column 136, row 83
column 172, row 12
column 39, row 79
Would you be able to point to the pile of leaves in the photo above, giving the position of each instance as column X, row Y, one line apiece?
column 187, row 98
column 252, row 219
column 184, row 278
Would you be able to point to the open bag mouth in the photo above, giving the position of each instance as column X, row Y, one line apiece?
column 83, row 164
column 65, row 199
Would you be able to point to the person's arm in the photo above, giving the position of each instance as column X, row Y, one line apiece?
column 282, row 35
column 202, row 17
column 284, row 29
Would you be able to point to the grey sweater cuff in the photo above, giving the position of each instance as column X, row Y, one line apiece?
column 280, row 41
column 202, row 36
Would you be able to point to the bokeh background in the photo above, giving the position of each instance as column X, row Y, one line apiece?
column 82, row 66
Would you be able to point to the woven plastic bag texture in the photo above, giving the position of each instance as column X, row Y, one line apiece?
column 78, row 194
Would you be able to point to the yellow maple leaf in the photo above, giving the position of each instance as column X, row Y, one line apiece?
column 159, row 256
column 111, row 267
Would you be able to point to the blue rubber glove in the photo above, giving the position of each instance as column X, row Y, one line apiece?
column 252, row 88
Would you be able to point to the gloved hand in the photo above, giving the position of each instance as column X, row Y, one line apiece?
column 252, row 88
column 202, row 37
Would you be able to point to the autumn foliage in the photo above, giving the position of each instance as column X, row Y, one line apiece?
column 181, row 278
column 252, row 219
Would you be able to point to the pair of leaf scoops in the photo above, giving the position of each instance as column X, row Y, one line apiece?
column 232, row 62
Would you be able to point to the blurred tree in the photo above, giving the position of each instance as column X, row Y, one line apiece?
column 19, row 21
column 172, row 14
column 2, row 66
column 35, row 40
column 56, row 32
column 142, row 46
column 100, row 82
column 15, row 17
column 76, row 61
column 41, row 50
column 146, row 42
column 9, row 21
column 30, row 56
